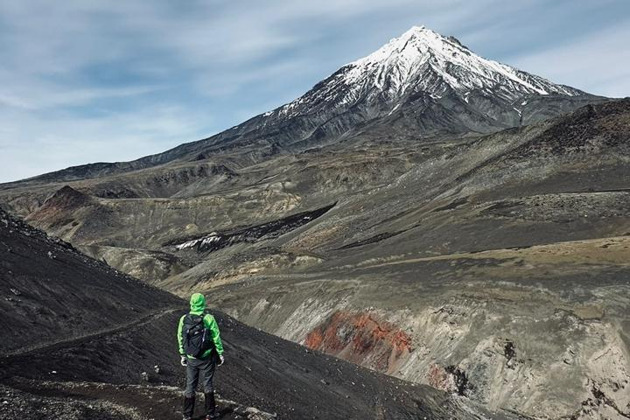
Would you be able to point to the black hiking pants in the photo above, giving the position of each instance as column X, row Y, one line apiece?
column 195, row 369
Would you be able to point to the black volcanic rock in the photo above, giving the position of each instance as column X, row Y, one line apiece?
column 49, row 287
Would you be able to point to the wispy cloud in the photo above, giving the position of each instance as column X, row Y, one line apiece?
column 100, row 80
column 58, row 140
column 600, row 63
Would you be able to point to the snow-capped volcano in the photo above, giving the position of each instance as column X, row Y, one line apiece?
column 417, row 86
column 423, row 62
column 420, row 54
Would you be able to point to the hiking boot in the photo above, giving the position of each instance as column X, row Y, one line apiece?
column 189, row 407
column 211, row 406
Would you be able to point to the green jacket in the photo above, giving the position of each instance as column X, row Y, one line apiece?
column 197, row 307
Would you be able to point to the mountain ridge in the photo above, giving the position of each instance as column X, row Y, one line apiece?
column 429, row 84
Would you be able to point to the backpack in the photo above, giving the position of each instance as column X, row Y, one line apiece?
column 197, row 337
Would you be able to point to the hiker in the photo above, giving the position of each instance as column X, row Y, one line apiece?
column 201, row 351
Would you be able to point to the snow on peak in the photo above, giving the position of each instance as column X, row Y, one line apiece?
column 415, row 42
column 422, row 53
column 421, row 61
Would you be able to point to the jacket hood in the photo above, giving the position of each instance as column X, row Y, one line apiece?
column 197, row 303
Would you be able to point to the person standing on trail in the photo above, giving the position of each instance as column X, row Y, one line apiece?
column 201, row 350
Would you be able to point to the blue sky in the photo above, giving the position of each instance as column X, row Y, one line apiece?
column 90, row 81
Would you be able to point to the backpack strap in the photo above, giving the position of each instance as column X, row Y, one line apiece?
column 191, row 316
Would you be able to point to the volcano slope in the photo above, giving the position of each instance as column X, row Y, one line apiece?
column 414, row 100
column 498, row 270
column 495, row 267
column 101, row 345
column 421, row 85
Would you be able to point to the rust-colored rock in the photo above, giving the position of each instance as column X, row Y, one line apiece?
column 361, row 338
column 59, row 207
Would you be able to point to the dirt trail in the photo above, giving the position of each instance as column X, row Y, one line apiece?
column 119, row 401
column 614, row 250
column 83, row 338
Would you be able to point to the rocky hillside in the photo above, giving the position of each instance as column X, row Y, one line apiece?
column 51, row 288
column 420, row 96
column 497, row 270
column 101, row 344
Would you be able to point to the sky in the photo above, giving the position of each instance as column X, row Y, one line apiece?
column 102, row 81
